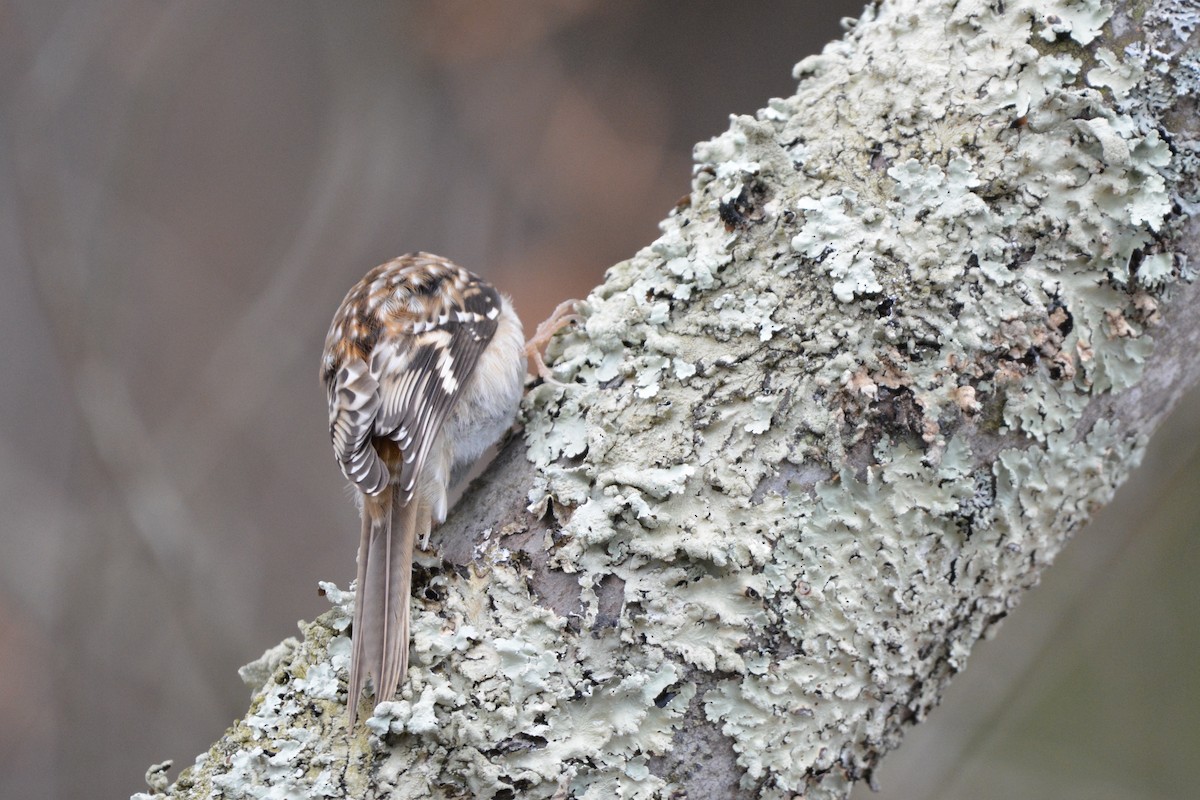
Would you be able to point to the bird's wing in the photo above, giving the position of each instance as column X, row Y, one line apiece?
column 420, row 378
column 354, row 399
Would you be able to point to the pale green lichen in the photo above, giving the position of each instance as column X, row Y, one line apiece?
column 968, row 222
column 816, row 437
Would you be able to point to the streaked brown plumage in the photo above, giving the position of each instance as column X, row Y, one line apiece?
column 423, row 369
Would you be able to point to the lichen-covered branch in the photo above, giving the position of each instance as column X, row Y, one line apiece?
column 911, row 327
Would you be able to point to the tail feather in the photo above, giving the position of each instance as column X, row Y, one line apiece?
column 357, row 658
column 396, row 631
column 381, row 613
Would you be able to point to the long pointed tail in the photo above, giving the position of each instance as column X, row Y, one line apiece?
column 380, row 636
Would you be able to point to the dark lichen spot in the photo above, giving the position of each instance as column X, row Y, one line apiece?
column 1061, row 316
column 1021, row 257
column 1135, row 261
column 745, row 209
column 897, row 410
column 876, row 160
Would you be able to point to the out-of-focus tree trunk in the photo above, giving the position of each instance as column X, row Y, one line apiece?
column 910, row 328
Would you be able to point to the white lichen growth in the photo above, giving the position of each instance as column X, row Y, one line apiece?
column 964, row 276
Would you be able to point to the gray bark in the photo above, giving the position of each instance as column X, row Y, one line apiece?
column 911, row 327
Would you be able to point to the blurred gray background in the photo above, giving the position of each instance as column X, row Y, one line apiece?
column 187, row 189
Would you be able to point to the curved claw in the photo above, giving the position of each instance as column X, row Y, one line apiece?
column 563, row 315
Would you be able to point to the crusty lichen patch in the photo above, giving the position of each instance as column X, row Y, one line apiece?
column 818, row 435
column 891, row 300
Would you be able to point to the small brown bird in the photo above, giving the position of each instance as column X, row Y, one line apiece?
column 423, row 366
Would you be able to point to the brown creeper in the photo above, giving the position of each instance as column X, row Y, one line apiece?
column 423, row 368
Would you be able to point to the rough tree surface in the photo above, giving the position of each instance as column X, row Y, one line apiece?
column 911, row 327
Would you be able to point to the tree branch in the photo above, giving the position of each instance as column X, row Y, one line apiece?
column 911, row 327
